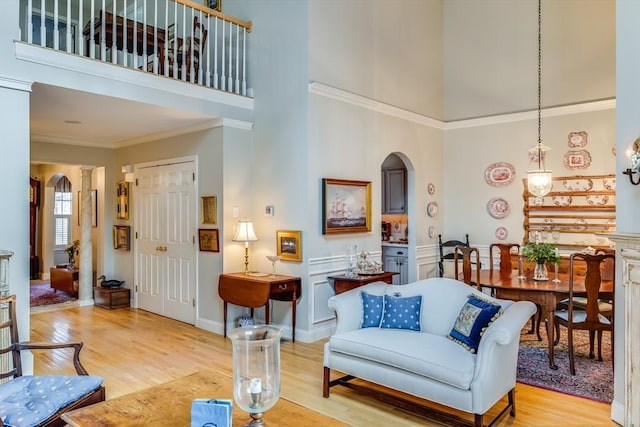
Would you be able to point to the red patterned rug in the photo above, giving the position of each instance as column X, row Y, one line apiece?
column 593, row 379
column 42, row 294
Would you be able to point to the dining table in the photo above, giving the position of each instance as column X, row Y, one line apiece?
column 512, row 285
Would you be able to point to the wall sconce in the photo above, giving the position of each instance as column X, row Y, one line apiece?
column 634, row 155
column 245, row 234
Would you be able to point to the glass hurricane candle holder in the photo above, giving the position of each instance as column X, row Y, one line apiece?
column 256, row 370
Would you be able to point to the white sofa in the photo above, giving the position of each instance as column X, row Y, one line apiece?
column 427, row 364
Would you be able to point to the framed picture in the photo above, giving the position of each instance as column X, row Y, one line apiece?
column 122, row 200
column 213, row 4
column 209, row 209
column 346, row 206
column 289, row 245
column 121, row 235
column 94, row 208
column 208, row 240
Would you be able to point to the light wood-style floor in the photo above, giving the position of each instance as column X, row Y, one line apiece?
column 133, row 349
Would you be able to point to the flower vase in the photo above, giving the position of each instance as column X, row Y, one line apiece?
column 540, row 272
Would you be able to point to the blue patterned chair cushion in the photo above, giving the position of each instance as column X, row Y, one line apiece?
column 474, row 318
column 372, row 306
column 401, row 312
column 29, row 400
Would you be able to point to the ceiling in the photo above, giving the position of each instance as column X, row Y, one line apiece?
column 61, row 115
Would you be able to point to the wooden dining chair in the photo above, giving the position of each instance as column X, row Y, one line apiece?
column 589, row 318
column 467, row 253
column 447, row 250
column 506, row 251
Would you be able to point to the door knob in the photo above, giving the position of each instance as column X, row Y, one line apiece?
column 161, row 248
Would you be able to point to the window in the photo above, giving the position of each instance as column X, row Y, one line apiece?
column 62, row 211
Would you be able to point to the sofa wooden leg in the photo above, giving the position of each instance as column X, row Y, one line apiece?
column 477, row 420
column 325, row 383
column 512, row 402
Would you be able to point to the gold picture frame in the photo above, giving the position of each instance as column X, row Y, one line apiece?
column 289, row 245
column 213, row 4
column 208, row 240
column 122, row 199
column 346, row 206
column 209, row 209
column 121, row 237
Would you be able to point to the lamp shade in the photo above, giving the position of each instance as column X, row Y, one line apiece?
column 539, row 182
column 245, row 232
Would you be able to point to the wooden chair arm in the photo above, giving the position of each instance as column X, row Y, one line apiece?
column 77, row 346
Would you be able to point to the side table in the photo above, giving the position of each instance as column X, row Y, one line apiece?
column 255, row 291
column 343, row 283
column 111, row 297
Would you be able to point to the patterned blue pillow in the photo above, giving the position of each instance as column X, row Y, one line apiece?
column 474, row 318
column 401, row 313
column 371, row 310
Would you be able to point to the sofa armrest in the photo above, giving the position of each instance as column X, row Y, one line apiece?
column 348, row 306
column 497, row 357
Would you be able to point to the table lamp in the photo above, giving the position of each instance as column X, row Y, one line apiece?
column 244, row 233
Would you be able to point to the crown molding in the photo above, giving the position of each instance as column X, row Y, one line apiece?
column 321, row 89
column 373, row 105
column 11, row 83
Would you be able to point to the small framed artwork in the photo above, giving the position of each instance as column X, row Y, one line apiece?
column 208, row 240
column 289, row 245
column 94, row 208
column 121, row 236
column 122, row 198
column 213, row 4
column 209, row 209
column 346, row 206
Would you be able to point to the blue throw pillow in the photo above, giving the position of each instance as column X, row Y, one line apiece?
column 474, row 318
column 401, row 313
column 371, row 310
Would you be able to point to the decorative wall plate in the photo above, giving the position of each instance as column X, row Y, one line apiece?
column 501, row 233
column 538, row 201
column 578, row 184
column 580, row 159
column 432, row 209
column 432, row 231
column 499, row 174
column 609, row 184
column 431, row 189
column 581, row 224
column 498, row 207
column 561, row 200
column 597, row 199
column 577, row 139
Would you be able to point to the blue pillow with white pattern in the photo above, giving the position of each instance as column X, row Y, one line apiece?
column 371, row 310
column 401, row 312
column 474, row 318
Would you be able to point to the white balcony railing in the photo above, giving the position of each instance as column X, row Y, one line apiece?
column 178, row 39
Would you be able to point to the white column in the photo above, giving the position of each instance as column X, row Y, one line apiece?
column 628, row 251
column 85, row 275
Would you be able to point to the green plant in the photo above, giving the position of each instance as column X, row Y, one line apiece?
column 540, row 253
column 73, row 250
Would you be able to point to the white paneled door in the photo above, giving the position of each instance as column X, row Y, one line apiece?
column 165, row 250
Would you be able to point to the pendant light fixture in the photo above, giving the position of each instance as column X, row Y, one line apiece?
column 539, row 180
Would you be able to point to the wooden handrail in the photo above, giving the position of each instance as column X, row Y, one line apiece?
column 246, row 24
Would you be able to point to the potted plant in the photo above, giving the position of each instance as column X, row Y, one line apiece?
column 72, row 251
column 541, row 253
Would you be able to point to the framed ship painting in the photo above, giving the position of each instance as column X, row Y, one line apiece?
column 346, row 206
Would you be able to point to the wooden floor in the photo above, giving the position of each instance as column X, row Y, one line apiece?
column 133, row 349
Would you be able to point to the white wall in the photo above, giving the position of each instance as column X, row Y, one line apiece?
column 491, row 55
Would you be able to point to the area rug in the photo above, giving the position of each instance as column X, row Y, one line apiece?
column 593, row 379
column 42, row 294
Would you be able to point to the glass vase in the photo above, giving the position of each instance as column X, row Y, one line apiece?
column 540, row 272
column 256, row 369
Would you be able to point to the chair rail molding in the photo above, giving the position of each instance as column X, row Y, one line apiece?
column 628, row 248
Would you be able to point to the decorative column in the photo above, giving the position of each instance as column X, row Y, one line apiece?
column 85, row 273
column 628, row 247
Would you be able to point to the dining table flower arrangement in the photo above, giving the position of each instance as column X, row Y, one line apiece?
column 541, row 254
